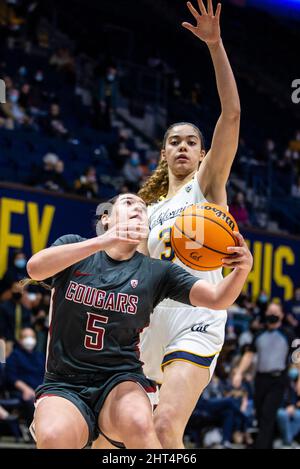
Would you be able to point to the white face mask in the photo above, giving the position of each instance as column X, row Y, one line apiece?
column 28, row 343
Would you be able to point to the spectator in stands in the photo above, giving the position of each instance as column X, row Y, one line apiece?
column 63, row 60
column 16, row 271
column 108, row 96
column 53, row 123
column 272, row 347
column 24, row 99
column 133, row 172
column 9, row 84
column 50, row 177
column 288, row 416
column 87, row 185
column 13, row 111
column 269, row 151
column 119, row 151
column 25, row 371
column 238, row 319
column 243, row 398
column 245, row 301
column 14, row 316
column 223, row 411
column 22, row 74
column 39, row 76
column 32, row 98
column 260, row 309
column 40, row 325
column 61, row 182
column 239, row 211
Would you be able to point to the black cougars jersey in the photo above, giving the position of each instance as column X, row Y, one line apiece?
column 99, row 307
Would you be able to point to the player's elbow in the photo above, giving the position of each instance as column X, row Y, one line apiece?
column 214, row 302
column 208, row 297
column 33, row 269
column 232, row 114
column 220, row 305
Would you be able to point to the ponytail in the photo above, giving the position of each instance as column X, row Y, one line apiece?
column 157, row 184
column 29, row 281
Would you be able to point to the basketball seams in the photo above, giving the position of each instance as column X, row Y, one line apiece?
column 202, row 245
column 210, row 253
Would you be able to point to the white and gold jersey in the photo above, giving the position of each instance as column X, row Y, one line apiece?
column 177, row 331
column 162, row 216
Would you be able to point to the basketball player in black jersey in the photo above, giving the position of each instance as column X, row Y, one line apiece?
column 103, row 292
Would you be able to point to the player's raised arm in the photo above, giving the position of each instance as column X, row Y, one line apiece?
column 50, row 261
column 224, row 294
column 215, row 168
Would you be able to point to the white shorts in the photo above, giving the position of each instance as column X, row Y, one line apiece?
column 190, row 334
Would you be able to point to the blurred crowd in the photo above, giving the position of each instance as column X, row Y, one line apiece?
column 33, row 105
column 24, row 323
column 36, row 101
column 253, row 400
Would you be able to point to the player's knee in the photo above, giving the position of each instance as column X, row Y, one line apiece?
column 48, row 437
column 139, row 426
column 166, row 423
column 55, row 437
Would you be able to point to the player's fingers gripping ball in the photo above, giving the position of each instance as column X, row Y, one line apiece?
column 201, row 235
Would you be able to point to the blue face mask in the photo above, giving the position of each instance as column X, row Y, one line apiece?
column 293, row 373
column 22, row 71
column 20, row 263
column 14, row 98
column 263, row 298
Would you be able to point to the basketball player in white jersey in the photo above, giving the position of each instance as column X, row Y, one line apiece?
column 178, row 350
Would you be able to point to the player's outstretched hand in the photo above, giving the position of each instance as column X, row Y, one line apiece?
column 238, row 256
column 208, row 22
column 131, row 232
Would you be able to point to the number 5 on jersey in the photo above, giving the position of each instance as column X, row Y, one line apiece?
column 94, row 340
column 168, row 254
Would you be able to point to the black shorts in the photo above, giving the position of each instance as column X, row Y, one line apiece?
column 89, row 393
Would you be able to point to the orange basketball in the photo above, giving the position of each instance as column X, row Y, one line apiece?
column 201, row 234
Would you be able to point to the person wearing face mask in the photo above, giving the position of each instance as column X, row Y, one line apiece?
column 87, row 185
column 260, row 310
column 25, row 371
column 272, row 347
column 132, row 171
column 13, row 110
column 13, row 316
column 15, row 272
column 108, row 95
column 288, row 416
